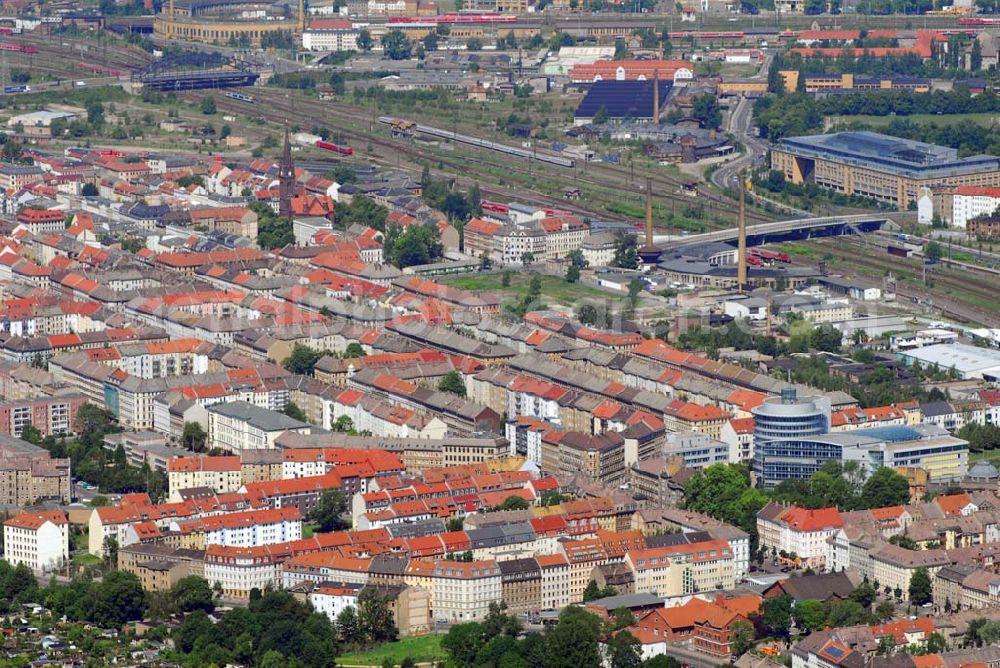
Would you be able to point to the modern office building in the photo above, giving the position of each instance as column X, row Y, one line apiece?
column 790, row 443
column 879, row 167
column 784, row 431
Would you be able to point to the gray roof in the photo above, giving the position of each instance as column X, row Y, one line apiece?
column 890, row 154
column 500, row 534
column 628, row 601
column 255, row 416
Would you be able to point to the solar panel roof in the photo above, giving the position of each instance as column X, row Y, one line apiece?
column 622, row 99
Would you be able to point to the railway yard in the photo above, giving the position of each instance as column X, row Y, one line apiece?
column 460, row 141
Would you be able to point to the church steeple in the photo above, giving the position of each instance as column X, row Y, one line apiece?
column 286, row 180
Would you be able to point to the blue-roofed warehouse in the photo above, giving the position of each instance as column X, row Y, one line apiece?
column 620, row 100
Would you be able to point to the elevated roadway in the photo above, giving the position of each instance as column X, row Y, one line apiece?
column 783, row 230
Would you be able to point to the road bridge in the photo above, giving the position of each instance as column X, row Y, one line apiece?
column 784, row 230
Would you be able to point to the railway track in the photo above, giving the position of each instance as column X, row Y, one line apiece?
column 875, row 263
column 278, row 107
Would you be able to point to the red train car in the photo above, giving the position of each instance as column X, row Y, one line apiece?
column 20, row 48
column 495, row 207
column 770, row 256
column 327, row 146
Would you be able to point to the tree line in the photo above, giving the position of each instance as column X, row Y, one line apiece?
column 724, row 491
column 797, row 113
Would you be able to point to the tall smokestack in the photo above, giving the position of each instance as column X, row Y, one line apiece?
column 302, row 17
column 656, row 97
column 741, row 277
column 649, row 212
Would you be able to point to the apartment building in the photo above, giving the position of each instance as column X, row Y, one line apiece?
column 554, row 569
column 240, row 570
column 29, row 475
column 158, row 566
column 250, row 529
column 893, row 566
column 238, row 425
column 521, row 585
column 38, row 540
column 463, row 591
column 685, row 568
column 800, row 531
column 49, row 415
column 222, row 474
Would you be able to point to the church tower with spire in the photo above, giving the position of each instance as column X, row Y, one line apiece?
column 286, row 180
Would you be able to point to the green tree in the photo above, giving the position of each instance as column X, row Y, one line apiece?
column 343, row 425
column 572, row 273
column 396, row 46
column 624, row 651
column 933, row 251
column 418, row 244
column 885, row 487
column 364, row 40
column 576, row 636
column 208, row 105
column 920, row 588
column 886, row 646
column 847, row 613
column 626, row 251
column 463, row 642
column 194, row 437
column 514, row 503
column 810, row 615
column 354, row 350
column 89, row 190
column 864, row 594
column 724, row 492
column 374, row 616
column 972, row 637
column 119, row 598
column 328, row 513
column 302, row 360
column 193, row 593
column 452, row 383
column 743, row 637
column 989, row 633
column 293, row 411
column 348, row 628
column 776, row 614
column 31, row 434
column 885, row 610
column 577, row 259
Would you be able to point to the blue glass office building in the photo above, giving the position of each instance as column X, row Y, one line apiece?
column 785, row 431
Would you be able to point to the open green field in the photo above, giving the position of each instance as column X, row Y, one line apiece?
column 992, row 456
column 425, row 648
column 554, row 289
column 939, row 119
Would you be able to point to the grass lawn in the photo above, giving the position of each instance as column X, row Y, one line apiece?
column 87, row 560
column 424, row 648
column 992, row 456
column 939, row 119
column 554, row 289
